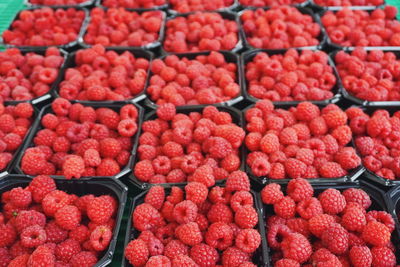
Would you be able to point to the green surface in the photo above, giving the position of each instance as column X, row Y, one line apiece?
column 8, row 9
column 395, row 3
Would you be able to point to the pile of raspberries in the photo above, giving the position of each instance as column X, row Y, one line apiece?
column 201, row 31
column 292, row 76
column 45, row 27
column 279, row 27
column 15, row 122
column 332, row 229
column 178, row 147
column 207, row 79
column 377, row 138
column 24, row 76
column 196, row 226
column 133, row 3
column 349, row 2
column 57, row 2
column 372, row 76
column 263, row 3
column 184, row 6
column 362, row 28
column 301, row 142
column 101, row 75
column 43, row 226
column 79, row 140
column 119, row 27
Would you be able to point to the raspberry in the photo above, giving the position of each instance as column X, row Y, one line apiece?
column 295, row 168
column 353, row 219
column 219, row 235
column 83, row 258
column 271, row 194
column 100, row 209
column 54, row 201
column 234, row 134
column 360, row 256
column 196, row 192
column 185, row 212
column 7, row 235
column 287, row 263
column 144, row 170
column 299, row 189
column 285, row 208
column 146, row 217
column 382, row 217
column 347, row 158
column 204, row 255
column 319, row 223
column 332, row 170
column 155, row 197
column 306, row 111
column 376, row 234
column 204, row 175
column 357, row 195
column 240, row 199
column 92, row 158
column 383, row 256
column 309, row 208
column 323, row 257
column 54, row 233
column 73, row 167
column 42, row 256
column 110, row 147
column 175, row 248
column 296, row 247
column 65, row 250
column 33, row 236
column 33, row 162
column 335, row 238
column 176, row 195
column 27, row 218
column 305, row 155
column 365, row 145
column 100, row 238
column 189, row 234
column 220, row 212
column 20, row 197
column 237, row 181
column 108, row 167
column 68, row 217
column 246, row 217
column 332, row 201
column 166, row 111
column 183, row 260
column 269, row 143
column 248, row 240
column 233, row 256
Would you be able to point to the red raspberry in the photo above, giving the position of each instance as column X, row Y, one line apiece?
column 296, row 247
column 176, row 195
column 382, row 217
column 54, row 233
column 332, row 201
column 204, row 175
column 219, row 235
column 237, row 181
column 146, row 217
column 240, row 199
column 29, row 218
column 175, row 248
column 100, row 209
column 269, row 143
column 319, row 223
column 144, row 170
column 246, row 217
column 110, row 147
column 332, row 170
column 204, row 255
column 33, row 236
column 185, row 212
column 80, row 234
column 354, row 219
column 166, row 111
column 196, row 192
column 7, row 235
column 248, row 240
column 7, row 123
column 324, row 257
column 108, row 167
column 335, row 238
column 271, row 194
column 347, row 158
column 155, row 197
column 73, row 167
column 91, row 158
column 68, row 217
column 305, row 155
column 83, row 258
column 189, row 234
column 365, row 145
column 295, row 168
column 299, row 189
column 376, row 234
column 233, row 256
column 42, row 256
column 306, row 111
column 309, row 208
column 287, row 263
column 220, row 212
column 20, row 198
column 54, row 201
column 357, row 195
column 136, row 252
column 100, row 238
column 360, row 256
column 67, row 249
column 285, row 208
column 183, row 260
column 382, row 256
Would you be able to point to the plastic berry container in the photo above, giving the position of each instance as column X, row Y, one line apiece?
column 224, row 14
column 232, row 7
column 322, row 36
column 9, row 169
column 138, row 53
column 260, row 257
column 335, row 8
column 378, row 199
column 352, row 175
column 68, row 47
column 359, row 101
column 37, row 101
column 87, row 3
column 237, row 118
column 249, row 55
column 38, row 126
column 331, row 46
column 305, row 3
column 96, row 186
column 393, row 202
column 100, row 3
column 229, row 57
column 151, row 46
